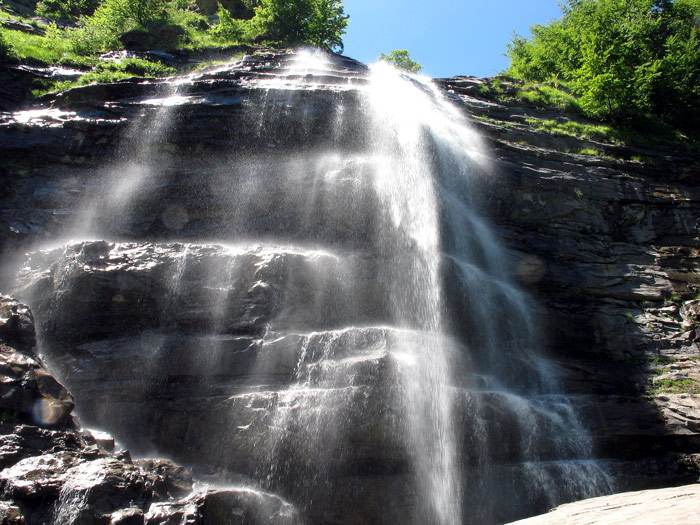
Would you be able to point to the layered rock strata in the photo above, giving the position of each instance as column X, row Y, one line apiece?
column 54, row 471
column 607, row 246
column 607, row 238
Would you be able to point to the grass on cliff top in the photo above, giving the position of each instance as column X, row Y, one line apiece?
column 558, row 96
column 63, row 48
column 572, row 128
column 542, row 95
column 50, row 49
column 55, row 49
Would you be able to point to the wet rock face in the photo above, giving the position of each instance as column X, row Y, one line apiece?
column 247, row 104
column 161, row 336
column 218, row 345
column 27, row 390
column 607, row 245
column 16, row 324
column 54, row 472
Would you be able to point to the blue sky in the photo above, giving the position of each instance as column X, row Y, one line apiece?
column 448, row 37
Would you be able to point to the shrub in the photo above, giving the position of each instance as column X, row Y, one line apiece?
column 65, row 8
column 400, row 58
column 135, row 12
column 230, row 28
column 320, row 23
column 5, row 49
column 100, row 32
column 145, row 68
column 625, row 59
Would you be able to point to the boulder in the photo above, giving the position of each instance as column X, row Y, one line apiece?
column 677, row 505
column 16, row 324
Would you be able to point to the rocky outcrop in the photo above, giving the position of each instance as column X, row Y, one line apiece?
column 676, row 505
column 610, row 246
column 55, row 472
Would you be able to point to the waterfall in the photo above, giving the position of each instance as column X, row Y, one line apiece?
column 316, row 302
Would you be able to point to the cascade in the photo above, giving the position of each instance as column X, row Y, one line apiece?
column 285, row 279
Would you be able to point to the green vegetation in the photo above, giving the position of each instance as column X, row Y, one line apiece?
column 104, row 30
column 626, row 61
column 587, row 151
column 65, row 8
column 108, row 25
column 230, row 28
column 663, row 360
column 400, row 59
column 49, row 49
column 320, row 23
column 573, row 128
column 104, row 72
column 681, row 386
column 549, row 95
column 4, row 46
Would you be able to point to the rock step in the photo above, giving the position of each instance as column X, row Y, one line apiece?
column 116, row 289
column 132, row 386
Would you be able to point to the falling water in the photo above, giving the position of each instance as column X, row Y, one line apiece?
column 410, row 240
column 352, row 288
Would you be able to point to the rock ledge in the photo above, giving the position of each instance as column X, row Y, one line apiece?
column 677, row 505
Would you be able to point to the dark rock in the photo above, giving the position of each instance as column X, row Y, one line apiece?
column 225, row 506
column 16, row 25
column 237, row 8
column 161, row 36
column 10, row 514
column 61, row 23
column 27, row 390
column 21, row 441
column 66, row 475
column 30, row 392
column 16, row 324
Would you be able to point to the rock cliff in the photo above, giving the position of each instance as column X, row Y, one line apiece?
column 609, row 245
column 56, row 472
column 606, row 244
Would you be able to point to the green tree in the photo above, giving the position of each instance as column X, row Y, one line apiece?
column 230, row 28
column 136, row 12
column 320, row 23
column 100, row 32
column 400, row 58
column 624, row 58
column 65, row 8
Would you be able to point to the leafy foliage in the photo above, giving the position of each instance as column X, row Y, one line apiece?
column 230, row 28
column 5, row 49
column 104, row 72
column 65, row 8
column 48, row 50
column 400, row 58
column 320, row 23
column 100, row 32
column 623, row 58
